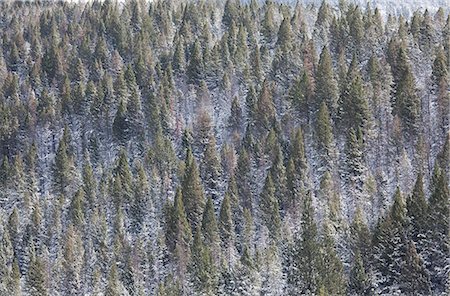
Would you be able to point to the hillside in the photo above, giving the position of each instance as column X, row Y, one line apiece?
column 224, row 148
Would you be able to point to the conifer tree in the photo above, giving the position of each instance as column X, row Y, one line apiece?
column 72, row 263
column 192, row 192
column 353, row 110
column 304, row 260
column 278, row 174
column 359, row 282
column 265, row 107
column 330, row 267
column 417, row 209
column 62, row 170
column 36, row 278
column 324, row 132
column 195, row 67
column 211, row 170
column 139, row 207
column 77, row 208
column 210, row 230
column 301, row 94
column 226, row 228
column 121, row 125
column 407, row 102
column 202, row 267
column 415, row 278
column 390, row 245
column 243, row 179
column 269, row 208
column 178, row 234
column 89, row 183
column 438, row 230
column 122, row 179
column 327, row 89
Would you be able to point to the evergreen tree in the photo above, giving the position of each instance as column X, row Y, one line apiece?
column 324, row 132
column 62, row 170
column 407, row 102
column 269, row 208
column 278, row 174
column 330, row 267
column 202, row 268
column 243, row 180
column 178, row 234
column 304, row 277
column 36, row 278
column 192, row 192
column 121, row 125
column 327, row 89
column 359, row 282
column 417, row 210
column 226, row 228
column 210, row 230
column 195, row 69
column 353, row 110
column 77, row 208
column 438, row 231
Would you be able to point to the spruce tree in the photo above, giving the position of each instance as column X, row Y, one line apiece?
column 324, row 132
column 210, row 230
column 407, row 102
column 195, row 69
column 330, row 267
column 178, row 234
column 327, row 89
column 192, row 192
column 202, row 267
column 438, row 230
column 269, row 209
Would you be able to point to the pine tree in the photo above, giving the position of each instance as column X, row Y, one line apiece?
column 210, row 230
column 243, row 180
column 301, row 94
column 226, row 228
column 178, row 234
column 389, row 246
column 265, row 108
column 278, row 174
column 417, row 210
column 324, row 132
column 192, row 192
column 121, row 125
column 211, row 170
column 269, row 209
column 202, row 268
column 77, row 209
column 355, row 160
column 353, row 110
column 330, row 267
column 438, row 231
column 304, row 277
column 122, row 181
column 36, row 278
column 195, row 69
column 327, row 89
column 359, row 282
column 139, row 206
column 89, row 183
column 113, row 286
column 72, row 262
column 62, row 170
column 407, row 102
column 415, row 278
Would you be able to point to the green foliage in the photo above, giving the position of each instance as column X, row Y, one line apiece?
column 192, row 192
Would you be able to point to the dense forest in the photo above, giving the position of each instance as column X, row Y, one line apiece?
column 223, row 148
